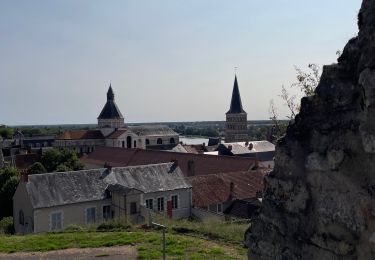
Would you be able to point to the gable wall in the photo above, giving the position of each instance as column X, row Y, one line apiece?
column 21, row 201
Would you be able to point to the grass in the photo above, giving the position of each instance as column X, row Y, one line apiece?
column 184, row 240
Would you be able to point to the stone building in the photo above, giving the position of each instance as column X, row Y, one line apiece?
column 236, row 118
column 53, row 201
column 113, row 132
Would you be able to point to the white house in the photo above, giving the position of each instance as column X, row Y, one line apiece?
column 52, row 201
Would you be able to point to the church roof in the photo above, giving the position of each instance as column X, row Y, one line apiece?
column 110, row 109
column 152, row 130
column 236, row 104
column 80, row 134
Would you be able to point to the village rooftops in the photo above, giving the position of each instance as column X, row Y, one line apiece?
column 190, row 164
column 61, row 188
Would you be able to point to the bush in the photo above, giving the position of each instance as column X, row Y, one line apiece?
column 112, row 226
column 6, row 226
column 74, row 228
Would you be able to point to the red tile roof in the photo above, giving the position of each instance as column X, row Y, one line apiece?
column 190, row 164
column 80, row 134
column 215, row 188
column 23, row 161
column 116, row 134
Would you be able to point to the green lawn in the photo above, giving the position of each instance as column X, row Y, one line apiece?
column 197, row 242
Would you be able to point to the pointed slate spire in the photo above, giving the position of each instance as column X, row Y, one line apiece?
column 110, row 94
column 110, row 109
column 235, row 104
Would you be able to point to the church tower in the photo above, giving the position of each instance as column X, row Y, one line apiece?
column 110, row 117
column 236, row 118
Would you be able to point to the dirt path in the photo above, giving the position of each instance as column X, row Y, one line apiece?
column 104, row 253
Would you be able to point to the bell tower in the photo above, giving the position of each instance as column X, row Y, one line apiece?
column 236, row 118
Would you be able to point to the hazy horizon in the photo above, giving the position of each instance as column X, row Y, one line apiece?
column 167, row 61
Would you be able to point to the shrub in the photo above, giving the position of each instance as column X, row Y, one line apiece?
column 74, row 228
column 112, row 226
column 6, row 226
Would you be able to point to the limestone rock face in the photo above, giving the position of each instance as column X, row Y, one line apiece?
column 319, row 202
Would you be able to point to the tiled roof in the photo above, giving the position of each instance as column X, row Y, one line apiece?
column 80, row 134
column 152, row 130
column 24, row 161
column 190, row 164
column 243, row 208
column 60, row 188
column 116, row 134
column 215, row 188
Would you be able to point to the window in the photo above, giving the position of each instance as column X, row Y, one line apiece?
column 21, row 217
column 106, row 212
column 172, row 141
column 219, row 208
column 174, row 202
column 56, row 221
column 123, row 144
column 135, row 144
column 150, row 203
column 133, row 207
column 90, row 215
column 147, row 141
column 160, row 204
column 159, row 141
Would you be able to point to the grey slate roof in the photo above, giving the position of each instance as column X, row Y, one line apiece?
column 235, row 104
column 110, row 109
column 152, row 130
column 61, row 188
column 149, row 178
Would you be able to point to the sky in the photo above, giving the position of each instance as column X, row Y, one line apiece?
column 166, row 60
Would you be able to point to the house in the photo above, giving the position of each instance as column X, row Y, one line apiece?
column 190, row 164
column 264, row 151
column 52, row 201
column 215, row 192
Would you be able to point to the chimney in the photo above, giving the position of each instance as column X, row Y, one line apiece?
column 231, row 192
column 175, row 162
column 24, row 175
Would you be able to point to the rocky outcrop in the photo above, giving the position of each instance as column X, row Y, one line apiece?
column 319, row 202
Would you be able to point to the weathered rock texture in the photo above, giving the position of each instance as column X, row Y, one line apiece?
column 319, row 202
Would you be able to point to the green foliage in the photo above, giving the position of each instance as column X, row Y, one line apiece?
column 61, row 160
column 9, row 178
column 6, row 226
column 62, row 168
column 74, row 228
column 112, row 226
column 6, row 132
column 36, row 168
column 196, row 131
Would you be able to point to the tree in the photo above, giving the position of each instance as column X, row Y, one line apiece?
column 36, row 168
column 53, row 158
column 62, row 168
column 9, row 178
column 307, row 81
column 6, row 132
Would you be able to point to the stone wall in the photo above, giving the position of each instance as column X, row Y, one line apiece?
column 319, row 202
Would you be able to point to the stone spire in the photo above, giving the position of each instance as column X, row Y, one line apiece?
column 319, row 201
column 236, row 104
